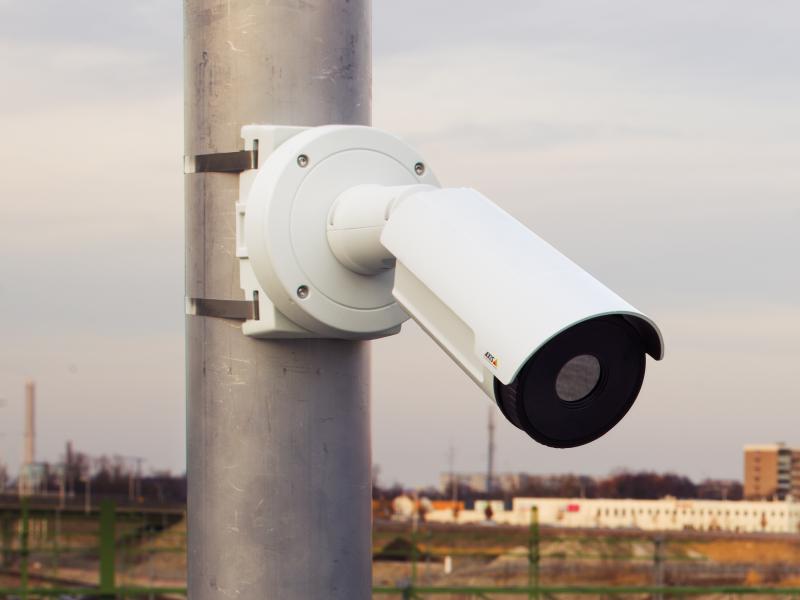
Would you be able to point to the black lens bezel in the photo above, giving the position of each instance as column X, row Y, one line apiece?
column 531, row 402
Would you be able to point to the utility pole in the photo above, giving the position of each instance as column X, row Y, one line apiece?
column 278, row 431
column 138, row 487
column 69, row 469
column 30, row 422
column 451, row 460
column 135, row 478
column 3, row 471
column 490, row 454
column 87, row 493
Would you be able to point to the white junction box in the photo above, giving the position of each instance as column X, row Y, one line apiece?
column 286, row 264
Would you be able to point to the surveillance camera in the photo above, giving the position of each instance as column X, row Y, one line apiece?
column 357, row 235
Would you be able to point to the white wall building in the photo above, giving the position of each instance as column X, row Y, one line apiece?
column 668, row 514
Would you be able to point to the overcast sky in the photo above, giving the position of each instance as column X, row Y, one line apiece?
column 656, row 144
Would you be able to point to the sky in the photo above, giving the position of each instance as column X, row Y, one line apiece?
column 656, row 144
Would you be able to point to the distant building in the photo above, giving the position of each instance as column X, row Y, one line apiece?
column 668, row 514
column 504, row 483
column 771, row 471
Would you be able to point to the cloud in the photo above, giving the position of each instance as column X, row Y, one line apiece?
column 662, row 194
column 87, row 53
column 128, row 25
column 716, row 45
column 91, row 227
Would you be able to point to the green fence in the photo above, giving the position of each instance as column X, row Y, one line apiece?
column 658, row 557
column 106, row 553
column 92, row 553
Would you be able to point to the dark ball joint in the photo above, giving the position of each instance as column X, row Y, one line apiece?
column 578, row 385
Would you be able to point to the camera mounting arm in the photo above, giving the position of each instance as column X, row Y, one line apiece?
column 356, row 222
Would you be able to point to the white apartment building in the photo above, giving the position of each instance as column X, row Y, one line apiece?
column 668, row 514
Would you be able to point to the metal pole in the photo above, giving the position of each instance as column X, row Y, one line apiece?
column 6, row 539
column 62, row 487
column 533, row 554
column 56, row 542
column 138, row 487
column 87, row 494
column 279, row 466
column 658, row 565
column 490, row 456
column 107, row 549
column 30, row 422
column 24, row 548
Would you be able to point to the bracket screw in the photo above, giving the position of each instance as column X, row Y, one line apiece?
column 302, row 161
column 419, row 168
column 302, row 292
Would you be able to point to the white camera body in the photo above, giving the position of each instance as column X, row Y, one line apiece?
column 347, row 233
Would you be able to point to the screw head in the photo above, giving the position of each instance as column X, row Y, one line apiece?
column 419, row 168
column 302, row 292
column 302, row 160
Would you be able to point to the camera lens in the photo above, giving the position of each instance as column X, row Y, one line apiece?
column 578, row 378
column 578, row 385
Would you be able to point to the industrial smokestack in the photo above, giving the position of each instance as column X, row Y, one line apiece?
column 26, row 475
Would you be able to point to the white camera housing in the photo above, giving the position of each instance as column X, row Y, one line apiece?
column 346, row 233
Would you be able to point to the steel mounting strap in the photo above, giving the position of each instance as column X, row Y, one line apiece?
column 241, row 310
column 221, row 162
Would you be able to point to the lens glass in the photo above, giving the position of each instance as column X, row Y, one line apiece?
column 578, row 378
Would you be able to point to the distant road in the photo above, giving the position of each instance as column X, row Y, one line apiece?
column 554, row 531
column 50, row 504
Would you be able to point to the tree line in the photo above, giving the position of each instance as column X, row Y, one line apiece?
column 638, row 485
column 78, row 475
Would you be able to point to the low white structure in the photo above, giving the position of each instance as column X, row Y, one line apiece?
column 668, row 514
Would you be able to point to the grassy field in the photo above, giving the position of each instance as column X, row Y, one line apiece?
column 152, row 553
column 491, row 555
